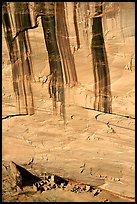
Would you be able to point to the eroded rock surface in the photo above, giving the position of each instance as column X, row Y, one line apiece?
column 90, row 147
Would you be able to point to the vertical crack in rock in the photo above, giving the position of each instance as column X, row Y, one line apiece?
column 19, row 55
column 64, row 45
column 56, row 85
column 76, row 24
column 100, row 65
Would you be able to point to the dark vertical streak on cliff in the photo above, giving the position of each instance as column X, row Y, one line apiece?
column 76, row 25
column 56, row 85
column 12, row 48
column 17, row 53
column 64, row 45
column 22, row 20
column 100, row 65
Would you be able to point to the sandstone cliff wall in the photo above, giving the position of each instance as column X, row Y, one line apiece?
column 118, row 22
